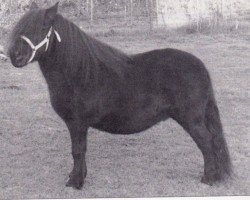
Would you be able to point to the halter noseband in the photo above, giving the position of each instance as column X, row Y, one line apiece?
column 45, row 41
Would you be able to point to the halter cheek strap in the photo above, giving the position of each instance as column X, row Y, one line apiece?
column 44, row 42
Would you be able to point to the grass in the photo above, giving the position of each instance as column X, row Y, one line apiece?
column 35, row 156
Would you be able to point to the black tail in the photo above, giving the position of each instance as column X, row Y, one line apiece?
column 213, row 124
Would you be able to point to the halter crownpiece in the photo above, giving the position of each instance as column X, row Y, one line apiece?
column 38, row 46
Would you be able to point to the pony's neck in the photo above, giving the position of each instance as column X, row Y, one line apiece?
column 79, row 56
column 70, row 57
column 65, row 50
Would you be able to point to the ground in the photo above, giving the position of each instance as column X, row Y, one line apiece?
column 35, row 156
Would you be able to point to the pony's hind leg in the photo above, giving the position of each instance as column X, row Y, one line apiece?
column 193, row 122
column 221, row 153
column 203, row 139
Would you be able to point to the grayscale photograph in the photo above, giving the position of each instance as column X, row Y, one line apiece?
column 124, row 98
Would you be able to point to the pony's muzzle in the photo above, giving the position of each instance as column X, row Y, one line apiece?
column 17, row 59
column 18, row 56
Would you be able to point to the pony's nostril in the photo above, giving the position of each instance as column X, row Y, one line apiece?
column 19, row 57
column 16, row 53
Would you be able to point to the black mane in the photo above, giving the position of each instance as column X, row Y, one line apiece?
column 93, row 55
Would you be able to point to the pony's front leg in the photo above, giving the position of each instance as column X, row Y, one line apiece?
column 78, row 134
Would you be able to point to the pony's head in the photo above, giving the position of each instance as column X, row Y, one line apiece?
column 33, row 35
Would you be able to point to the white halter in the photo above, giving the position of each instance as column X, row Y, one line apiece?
column 45, row 41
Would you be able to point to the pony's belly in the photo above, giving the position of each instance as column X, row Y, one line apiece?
column 114, row 125
column 127, row 126
column 132, row 121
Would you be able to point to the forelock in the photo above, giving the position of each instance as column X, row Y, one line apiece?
column 30, row 22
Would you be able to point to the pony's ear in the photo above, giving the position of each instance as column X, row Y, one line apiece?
column 34, row 6
column 50, row 15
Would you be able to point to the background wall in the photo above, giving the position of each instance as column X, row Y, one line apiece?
column 213, row 12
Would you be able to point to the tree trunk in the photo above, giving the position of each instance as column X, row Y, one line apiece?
column 131, row 12
column 87, row 6
column 125, row 14
column 91, row 11
column 149, row 11
column 157, row 10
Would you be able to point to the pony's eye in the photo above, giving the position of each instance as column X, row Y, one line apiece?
column 44, row 28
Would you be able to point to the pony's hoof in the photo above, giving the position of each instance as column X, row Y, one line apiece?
column 207, row 180
column 76, row 183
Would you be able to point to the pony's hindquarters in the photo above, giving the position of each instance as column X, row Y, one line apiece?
column 196, row 111
column 203, row 124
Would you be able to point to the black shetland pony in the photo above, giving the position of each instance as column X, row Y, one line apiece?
column 94, row 85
